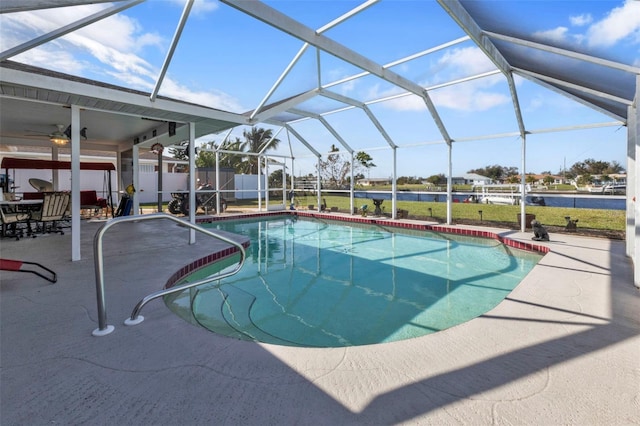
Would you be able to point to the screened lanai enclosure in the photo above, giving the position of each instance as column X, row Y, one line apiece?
column 422, row 87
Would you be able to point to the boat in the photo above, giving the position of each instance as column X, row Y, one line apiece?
column 503, row 194
column 615, row 188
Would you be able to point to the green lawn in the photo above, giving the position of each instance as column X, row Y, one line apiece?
column 613, row 220
column 597, row 219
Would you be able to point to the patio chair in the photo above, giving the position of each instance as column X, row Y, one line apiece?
column 54, row 208
column 11, row 222
column 16, row 266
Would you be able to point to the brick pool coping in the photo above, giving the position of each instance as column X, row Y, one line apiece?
column 413, row 226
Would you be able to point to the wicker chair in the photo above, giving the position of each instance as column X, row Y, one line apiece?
column 54, row 209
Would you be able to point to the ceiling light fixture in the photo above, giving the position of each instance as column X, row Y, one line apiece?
column 59, row 138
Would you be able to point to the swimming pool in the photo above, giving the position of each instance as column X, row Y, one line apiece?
column 320, row 283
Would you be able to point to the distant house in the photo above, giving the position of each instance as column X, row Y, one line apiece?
column 471, row 179
column 374, row 181
column 540, row 179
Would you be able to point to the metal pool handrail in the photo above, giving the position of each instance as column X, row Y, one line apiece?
column 103, row 328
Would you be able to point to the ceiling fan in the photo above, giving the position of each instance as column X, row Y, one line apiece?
column 62, row 136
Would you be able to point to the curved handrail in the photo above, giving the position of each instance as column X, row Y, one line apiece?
column 103, row 327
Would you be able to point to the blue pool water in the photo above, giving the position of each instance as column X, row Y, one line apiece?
column 316, row 283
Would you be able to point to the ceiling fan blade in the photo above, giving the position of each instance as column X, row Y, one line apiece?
column 37, row 133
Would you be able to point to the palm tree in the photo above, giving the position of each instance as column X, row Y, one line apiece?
column 255, row 141
column 228, row 159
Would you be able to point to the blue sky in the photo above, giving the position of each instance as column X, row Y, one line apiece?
column 228, row 60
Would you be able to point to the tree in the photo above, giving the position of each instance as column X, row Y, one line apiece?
column 231, row 159
column 256, row 141
column 206, row 158
column 439, row 179
column 334, row 169
column 275, row 179
column 548, row 179
column 408, row 180
column 594, row 167
column 363, row 159
column 495, row 172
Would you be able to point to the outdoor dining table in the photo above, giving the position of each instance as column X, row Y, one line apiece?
column 25, row 206
column 18, row 206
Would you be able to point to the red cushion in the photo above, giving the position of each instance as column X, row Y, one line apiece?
column 10, row 265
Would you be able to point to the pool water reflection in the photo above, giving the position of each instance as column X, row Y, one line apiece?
column 316, row 283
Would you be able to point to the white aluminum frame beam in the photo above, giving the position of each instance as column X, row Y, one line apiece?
column 357, row 104
column 81, row 23
column 172, row 48
column 277, row 108
column 469, row 25
column 278, row 20
column 569, row 95
column 10, row 6
column 266, row 146
column 328, row 126
column 564, row 52
column 303, row 49
column 302, row 140
column 400, row 61
column 569, row 85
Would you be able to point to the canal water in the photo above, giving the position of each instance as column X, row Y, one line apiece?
column 579, row 201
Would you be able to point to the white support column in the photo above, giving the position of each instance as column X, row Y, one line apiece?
column 630, row 227
column 55, row 174
column 394, row 184
column 218, row 195
column 75, row 183
column 284, row 184
column 266, row 181
column 259, row 187
column 633, row 128
column 135, row 154
column 449, row 184
column 318, row 194
column 351, row 183
column 293, row 183
column 192, row 181
column 523, row 182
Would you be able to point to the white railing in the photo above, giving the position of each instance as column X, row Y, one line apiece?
column 103, row 328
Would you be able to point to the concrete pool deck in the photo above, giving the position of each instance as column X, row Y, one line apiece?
column 563, row 348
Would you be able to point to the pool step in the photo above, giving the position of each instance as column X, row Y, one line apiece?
column 226, row 311
column 237, row 313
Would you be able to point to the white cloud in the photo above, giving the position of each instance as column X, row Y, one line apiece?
column 200, row 7
column 581, row 20
column 622, row 22
column 461, row 62
column 468, row 98
column 215, row 99
column 556, row 35
column 473, row 95
column 115, row 43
